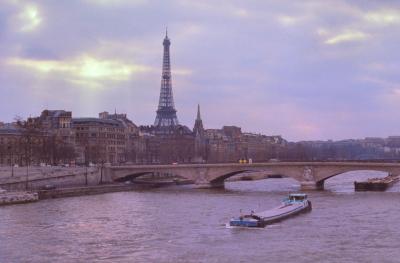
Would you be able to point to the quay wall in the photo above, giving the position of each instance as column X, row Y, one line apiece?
column 89, row 190
column 60, row 178
column 35, row 171
column 11, row 198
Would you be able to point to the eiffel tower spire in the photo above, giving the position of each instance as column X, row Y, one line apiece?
column 166, row 113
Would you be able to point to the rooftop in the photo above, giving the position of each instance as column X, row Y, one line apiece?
column 96, row 120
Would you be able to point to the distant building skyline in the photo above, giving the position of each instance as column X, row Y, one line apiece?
column 306, row 71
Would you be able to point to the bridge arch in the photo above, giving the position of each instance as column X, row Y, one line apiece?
column 327, row 175
column 343, row 172
column 131, row 176
column 222, row 178
column 124, row 175
column 357, row 170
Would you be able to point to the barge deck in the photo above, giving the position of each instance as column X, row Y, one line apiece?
column 377, row 184
column 293, row 205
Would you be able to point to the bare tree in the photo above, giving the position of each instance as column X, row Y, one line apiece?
column 3, row 152
column 31, row 133
column 64, row 153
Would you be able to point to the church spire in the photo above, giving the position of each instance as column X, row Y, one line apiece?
column 200, row 151
column 198, row 128
column 198, row 112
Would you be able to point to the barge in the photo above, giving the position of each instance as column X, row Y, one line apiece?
column 376, row 184
column 294, row 204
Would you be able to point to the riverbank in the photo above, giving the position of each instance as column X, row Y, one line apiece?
column 12, row 198
column 104, row 188
column 40, row 177
column 88, row 186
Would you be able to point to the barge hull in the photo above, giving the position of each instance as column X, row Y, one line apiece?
column 271, row 216
column 274, row 219
column 366, row 186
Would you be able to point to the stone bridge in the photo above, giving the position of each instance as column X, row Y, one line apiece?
column 311, row 175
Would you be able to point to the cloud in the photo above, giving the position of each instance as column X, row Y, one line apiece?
column 182, row 72
column 240, row 12
column 347, row 36
column 116, row 2
column 381, row 83
column 383, row 17
column 288, row 20
column 396, row 92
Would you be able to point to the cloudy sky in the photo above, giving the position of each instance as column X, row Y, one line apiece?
column 301, row 69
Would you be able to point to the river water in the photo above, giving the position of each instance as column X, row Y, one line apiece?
column 180, row 224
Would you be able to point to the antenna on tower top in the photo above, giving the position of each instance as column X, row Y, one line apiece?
column 166, row 31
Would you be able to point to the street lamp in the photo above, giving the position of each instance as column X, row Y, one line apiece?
column 101, row 171
column 28, row 162
column 12, row 165
column 27, row 173
column 86, row 173
column 11, row 160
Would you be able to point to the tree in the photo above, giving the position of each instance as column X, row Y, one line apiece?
column 3, row 152
column 65, row 153
column 31, row 134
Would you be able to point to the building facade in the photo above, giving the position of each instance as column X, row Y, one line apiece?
column 107, row 139
column 11, row 151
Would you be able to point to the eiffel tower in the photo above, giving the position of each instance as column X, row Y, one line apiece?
column 166, row 113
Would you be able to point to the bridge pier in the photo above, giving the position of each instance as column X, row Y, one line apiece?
column 106, row 173
column 311, row 185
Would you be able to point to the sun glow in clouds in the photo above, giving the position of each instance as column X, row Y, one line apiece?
column 85, row 70
column 30, row 18
column 105, row 69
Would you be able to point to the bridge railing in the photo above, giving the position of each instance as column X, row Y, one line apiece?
column 275, row 161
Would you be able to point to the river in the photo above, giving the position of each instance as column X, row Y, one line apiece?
column 180, row 224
